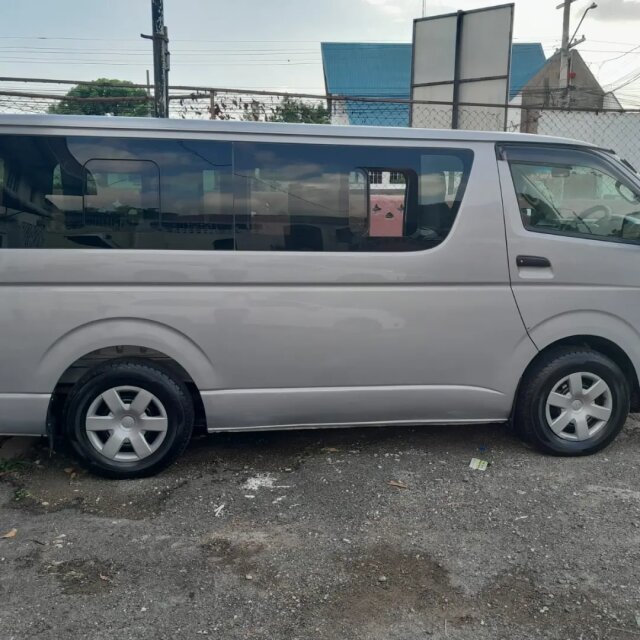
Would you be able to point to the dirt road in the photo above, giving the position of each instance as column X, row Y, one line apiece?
column 314, row 535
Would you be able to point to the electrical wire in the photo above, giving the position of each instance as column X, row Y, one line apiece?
column 261, row 63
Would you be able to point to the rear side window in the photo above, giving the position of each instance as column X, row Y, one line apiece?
column 2, row 235
column 300, row 197
column 135, row 193
column 576, row 193
column 120, row 196
column 110, row 193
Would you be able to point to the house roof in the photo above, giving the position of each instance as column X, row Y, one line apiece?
column 383, row 70
column 554, row 61
column 380, row 70
column 527, row 58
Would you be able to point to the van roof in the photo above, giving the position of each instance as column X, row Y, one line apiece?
column 82, row 124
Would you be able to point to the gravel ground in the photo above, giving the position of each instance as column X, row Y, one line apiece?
column 383, row 534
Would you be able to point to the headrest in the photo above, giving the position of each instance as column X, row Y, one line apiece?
column 433, row 188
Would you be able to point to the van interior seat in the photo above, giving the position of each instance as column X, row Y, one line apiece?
column 434, row 214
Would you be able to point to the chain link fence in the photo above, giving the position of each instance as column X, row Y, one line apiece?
column 13, row 102
column 610, row 128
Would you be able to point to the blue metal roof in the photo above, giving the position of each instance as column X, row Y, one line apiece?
column 383, row 70
column 527, row 58
column 380, row 70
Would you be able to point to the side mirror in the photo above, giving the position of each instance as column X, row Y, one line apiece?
column 626, row 193
column 630, row 228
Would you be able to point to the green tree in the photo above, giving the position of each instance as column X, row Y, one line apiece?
column 292, row 110
column 75, row 101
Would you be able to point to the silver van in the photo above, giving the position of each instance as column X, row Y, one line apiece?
column 159, row 274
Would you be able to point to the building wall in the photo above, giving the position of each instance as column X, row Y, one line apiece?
column 339, row 113
column 543, row 89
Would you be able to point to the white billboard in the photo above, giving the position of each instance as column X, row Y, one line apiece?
column 458, row 58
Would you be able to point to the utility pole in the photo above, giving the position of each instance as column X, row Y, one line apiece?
column 567, row 44
column 160, row 38
column 564, row 49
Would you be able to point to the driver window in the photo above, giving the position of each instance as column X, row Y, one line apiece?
column 575, row 199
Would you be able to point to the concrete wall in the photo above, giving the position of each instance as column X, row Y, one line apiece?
column 543, row 89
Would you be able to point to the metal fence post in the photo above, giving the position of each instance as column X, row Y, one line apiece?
column 212, row 105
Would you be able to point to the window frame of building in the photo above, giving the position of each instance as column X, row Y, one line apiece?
column 396, row 177
column 375, row 176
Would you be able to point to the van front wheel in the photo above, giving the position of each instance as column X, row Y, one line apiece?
column 573, row 401
column 128, row 419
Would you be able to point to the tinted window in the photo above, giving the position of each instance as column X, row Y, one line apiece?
column 578, row 194
column 120, row 206
column 2, row 233
column 84, row 192
column 299, row 197
column 130, row 193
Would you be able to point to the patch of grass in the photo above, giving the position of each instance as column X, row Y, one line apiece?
column 9, row 466
column 21, row 494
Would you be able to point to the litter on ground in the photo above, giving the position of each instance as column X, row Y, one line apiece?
column 478, row 465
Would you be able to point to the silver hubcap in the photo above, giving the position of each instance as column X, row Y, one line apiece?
column 126, row 424
column 579, row 406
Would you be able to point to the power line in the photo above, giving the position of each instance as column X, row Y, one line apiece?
column 624, row 77
column 228, row 52
column 628, row 82
column 623, row 52
column 548, row 38
column 235, row 40
column 14, row 55
column 108, row 63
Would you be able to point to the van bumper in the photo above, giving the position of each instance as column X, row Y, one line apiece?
column 24, row 414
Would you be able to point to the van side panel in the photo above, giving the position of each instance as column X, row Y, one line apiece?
column 592, row 287
column 24, row 414
column 279, row 339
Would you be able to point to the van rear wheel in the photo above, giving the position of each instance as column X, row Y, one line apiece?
column 128, row 419
column 573, row 401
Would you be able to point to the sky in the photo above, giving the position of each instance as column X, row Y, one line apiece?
column 275, row 44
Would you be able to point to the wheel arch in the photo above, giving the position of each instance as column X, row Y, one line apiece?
column 600, row 344
column 94, row 343
column 114, row 333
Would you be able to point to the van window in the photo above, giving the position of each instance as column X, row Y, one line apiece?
column 88, row 192
column 120, row 196
column 2, row 235
column 136, row 193
column 577, row 197
column 386, row 205
column 302, row 197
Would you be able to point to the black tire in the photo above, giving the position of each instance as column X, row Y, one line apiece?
column 530, row 419
column 170, row 391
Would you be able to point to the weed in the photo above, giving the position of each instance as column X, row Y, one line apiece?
column 21, row 494
column 9, row 466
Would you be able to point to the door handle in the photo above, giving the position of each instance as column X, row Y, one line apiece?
column 533, row 261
